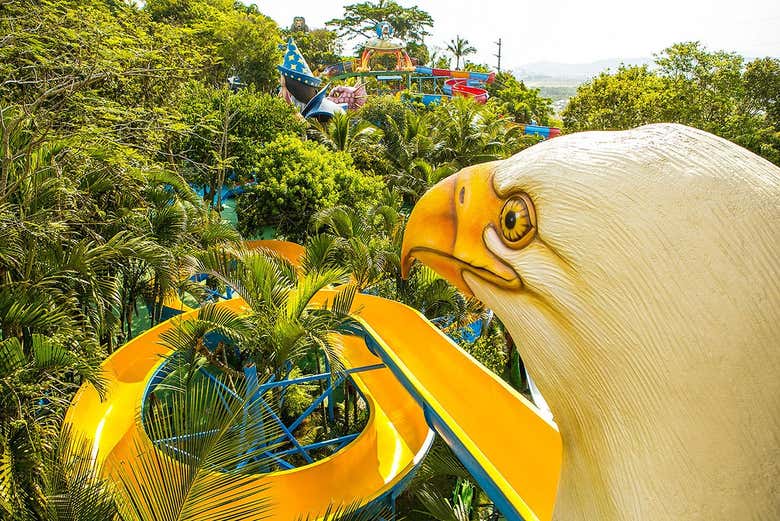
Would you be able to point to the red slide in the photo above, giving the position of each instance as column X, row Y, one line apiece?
column 460, row 87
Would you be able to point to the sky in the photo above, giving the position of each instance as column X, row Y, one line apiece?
column 567, row 31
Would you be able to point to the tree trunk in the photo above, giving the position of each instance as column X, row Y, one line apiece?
column 346, row 406
column 354, row 405
column 323, row 411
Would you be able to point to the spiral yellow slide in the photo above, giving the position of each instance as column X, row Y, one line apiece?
column 512, row 451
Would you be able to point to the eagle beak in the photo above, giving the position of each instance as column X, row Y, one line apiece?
column 446, row 228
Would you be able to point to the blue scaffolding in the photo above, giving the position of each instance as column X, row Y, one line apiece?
column 257, row 397
column 281, row 448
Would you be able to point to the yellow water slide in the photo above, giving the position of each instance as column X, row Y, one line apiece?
column 394, row 440
column 510, row 449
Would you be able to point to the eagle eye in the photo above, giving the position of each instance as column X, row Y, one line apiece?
column 518, row 221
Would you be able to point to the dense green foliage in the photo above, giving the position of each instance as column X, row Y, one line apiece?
column 222, row 132
column 713, row 91
column 629, row 98
column 510, row 96
column 95, row 220
column 110, row 110
column 411, row 24
column 295, row 179
column 418, row 146
column 238, row 41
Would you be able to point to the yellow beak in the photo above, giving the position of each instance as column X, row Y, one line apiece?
column 447, row 226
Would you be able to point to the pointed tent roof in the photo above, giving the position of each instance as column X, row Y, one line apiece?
column 295, row 66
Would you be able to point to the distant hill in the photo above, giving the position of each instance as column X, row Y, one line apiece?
column 574, row 71
column 559, row 81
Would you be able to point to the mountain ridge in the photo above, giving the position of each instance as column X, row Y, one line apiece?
column 575, row 70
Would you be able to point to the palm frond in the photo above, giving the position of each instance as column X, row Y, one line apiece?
column 342, row 302
column 353, row 512
column 440, row 508
column 7, row 482
column 175, row 181
column 11, row 356
column 440, row 461
column 309, row 285
column 320, row 253
column 201, row 457
column 50, row 356
column 30, row 306
column 72, row 486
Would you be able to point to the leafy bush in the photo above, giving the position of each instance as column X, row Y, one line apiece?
column 379, row 109
column 714, row 91
column 221, row 132
column 511, row 96
column 254, row 118
column 295, row 180
column 369, row 156
column 235, row 39
column 490, row 350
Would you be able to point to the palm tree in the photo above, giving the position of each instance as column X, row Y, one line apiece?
column 197, row 450
column 420, row 177
column 359, row 238
column 284, row 324
column 72, row 488
column 437, row 299
column 198, row 457
column 33, row 380
column 83, row 236
column 353, row 512
column 460, row 47
column 343, row 132
column 467, row 133
column 409, row 149
column 195, row 458
column 408, row 141
column 431, row 491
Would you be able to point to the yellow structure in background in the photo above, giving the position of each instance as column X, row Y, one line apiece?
column 385, row 44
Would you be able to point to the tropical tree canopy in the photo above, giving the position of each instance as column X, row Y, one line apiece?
column 121, row 142
column 359, row 20
column 711, row 90
column 460, row 48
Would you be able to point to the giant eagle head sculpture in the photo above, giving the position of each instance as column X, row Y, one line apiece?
column 639, row 275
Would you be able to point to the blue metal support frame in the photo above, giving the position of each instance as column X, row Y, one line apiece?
column 288, row 432
column 254, row 398
column 436, row 423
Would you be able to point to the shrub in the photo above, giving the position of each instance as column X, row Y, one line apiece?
column 379, row 109
column 511, row 97
column 490, row 350
column 220, row 133
column 295, row 180
column 259, row 118
column 369, row 156
column 255, row 118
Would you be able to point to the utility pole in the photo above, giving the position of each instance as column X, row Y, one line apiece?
column 499, row 54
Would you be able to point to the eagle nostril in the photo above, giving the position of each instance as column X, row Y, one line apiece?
column 462, row 195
